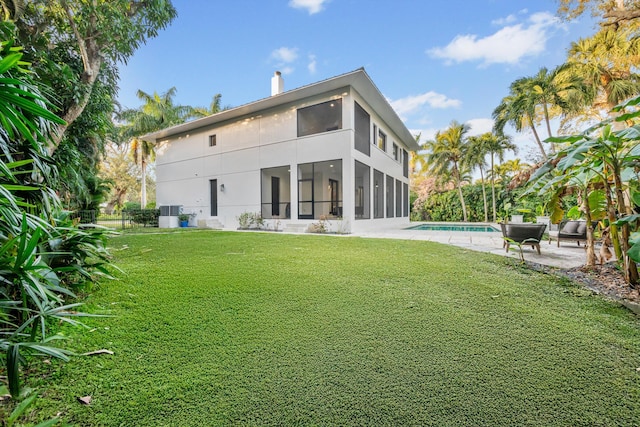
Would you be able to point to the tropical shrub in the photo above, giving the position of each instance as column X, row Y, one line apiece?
column 601, row 166
column 445, row 206
column 44, row 255
column 250, row 220
column 146, row 217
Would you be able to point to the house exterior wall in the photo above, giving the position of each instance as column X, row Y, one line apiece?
column 382, row 161
column 186, row 163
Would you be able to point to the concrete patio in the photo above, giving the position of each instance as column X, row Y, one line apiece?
column 568, row 255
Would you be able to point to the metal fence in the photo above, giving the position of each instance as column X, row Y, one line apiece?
column 134, row 218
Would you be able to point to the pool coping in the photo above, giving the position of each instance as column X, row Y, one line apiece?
column 568, row 255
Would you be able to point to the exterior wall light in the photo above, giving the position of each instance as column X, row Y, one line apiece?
column 222, row 188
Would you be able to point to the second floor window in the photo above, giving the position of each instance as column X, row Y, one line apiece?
column 318, row 118
column 382, row 140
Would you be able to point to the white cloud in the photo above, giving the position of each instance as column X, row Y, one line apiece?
column 286, row 70
column 312, row 6
column 285, row 55
column 413, row 103
column 312, row 64
column 508, row 45
column 504, row 21
column 479, row 126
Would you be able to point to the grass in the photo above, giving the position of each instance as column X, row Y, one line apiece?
column 220, row 328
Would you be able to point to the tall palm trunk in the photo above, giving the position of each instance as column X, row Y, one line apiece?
column 548, row 122
column 590, row 246
column 484, row 197
column 493, row 189
column 456, row 173
column 535, row 134
column 613, row 228
column 630, row 267
column 143, row 186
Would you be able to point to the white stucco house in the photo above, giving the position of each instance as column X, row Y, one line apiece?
column 332, row 150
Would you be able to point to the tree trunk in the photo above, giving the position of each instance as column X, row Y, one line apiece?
column 535, row 134
column 484, row 198
column 493, row 189
column 91, row 61
column 613, row 228
column 630, row 267
column 116, row 201
column 590, row 246
column 456, row 173
column 143, row 185
column 464, row 207
column 546, row 119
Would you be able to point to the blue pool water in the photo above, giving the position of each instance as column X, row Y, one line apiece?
column 454, row 227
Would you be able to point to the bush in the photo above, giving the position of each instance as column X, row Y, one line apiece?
column 44, row 254
column 445, row 206
column 147, row 217
column 250, row 220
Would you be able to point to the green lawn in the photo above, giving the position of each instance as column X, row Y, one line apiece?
column 219, row 328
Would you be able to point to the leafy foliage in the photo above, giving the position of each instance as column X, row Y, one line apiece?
column 75, row 47
column 602, row 164
column 43, row 254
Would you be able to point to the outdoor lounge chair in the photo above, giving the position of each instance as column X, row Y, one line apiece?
column 572, row 230
column 527, row 234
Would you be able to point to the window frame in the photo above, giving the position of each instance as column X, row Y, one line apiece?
column 361, row 141
column 381, row 142
column 304, row 116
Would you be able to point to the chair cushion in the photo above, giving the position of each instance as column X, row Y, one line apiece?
column 571, row 227
column 582, row 228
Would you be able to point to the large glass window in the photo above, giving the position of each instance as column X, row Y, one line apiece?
column 378, row 194
column 382, row 140
column 362, row 191
column 276, row 192
column 405, row 200
column 398, row 199
column 389, row 194
column 320, row 190
column 362, row 129
column 319, row 118
column 405, row 163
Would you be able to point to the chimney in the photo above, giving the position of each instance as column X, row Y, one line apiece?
column 277, row 84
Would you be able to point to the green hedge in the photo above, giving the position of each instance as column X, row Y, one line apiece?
column 445, row 206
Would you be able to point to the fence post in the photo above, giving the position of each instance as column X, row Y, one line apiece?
column 122, row 213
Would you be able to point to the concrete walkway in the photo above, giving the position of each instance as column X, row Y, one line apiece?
column 568, row 255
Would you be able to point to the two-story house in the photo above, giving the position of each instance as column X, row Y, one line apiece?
column 332, row 150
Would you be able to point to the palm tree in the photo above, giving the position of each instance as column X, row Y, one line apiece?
column 518, row 109
column 511, row 169
column 557, row 90
column 446, row 156
column 476, row 157
column 142, row 153
column 214, row 107
column 497, row 145
column 541, row 97
column 605, row 62
column 417, row 159
column 157, row 112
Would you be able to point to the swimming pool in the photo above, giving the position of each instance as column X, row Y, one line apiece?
column 455, row 227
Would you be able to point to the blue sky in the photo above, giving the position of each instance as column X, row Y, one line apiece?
column 434, row 60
